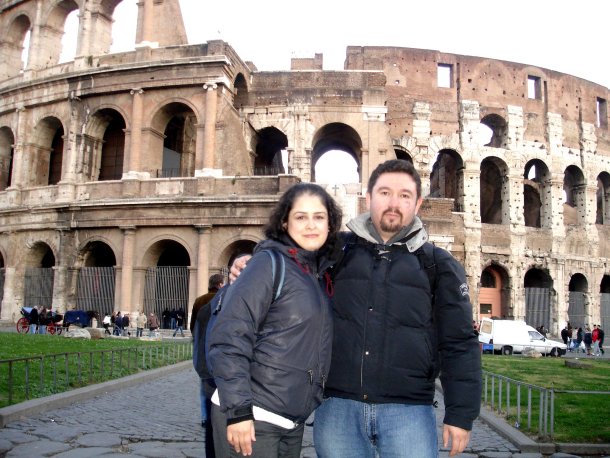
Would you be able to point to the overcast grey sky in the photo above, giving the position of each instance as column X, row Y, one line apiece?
column 563, row 35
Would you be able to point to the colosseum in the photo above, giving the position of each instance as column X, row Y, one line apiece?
column 127, row 178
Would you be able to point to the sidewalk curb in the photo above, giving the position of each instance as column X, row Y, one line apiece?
column 41, row 405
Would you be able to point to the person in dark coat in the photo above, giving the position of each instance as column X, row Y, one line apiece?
column 215, row 282
column 34, row 320
column 270, row 356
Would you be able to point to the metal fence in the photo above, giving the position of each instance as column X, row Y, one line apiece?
column 95, row 288
column 538, row 307
column 38, row 287
column 527, row 406
column 166, row 289
column 27, row 378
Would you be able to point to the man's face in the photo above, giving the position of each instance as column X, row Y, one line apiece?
column 393, row 203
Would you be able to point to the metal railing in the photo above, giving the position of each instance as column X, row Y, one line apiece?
column 32, row 377
column 519, row 401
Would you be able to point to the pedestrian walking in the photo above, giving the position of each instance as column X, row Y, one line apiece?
column 140, row 324
column 153, row 324
column 179, row 323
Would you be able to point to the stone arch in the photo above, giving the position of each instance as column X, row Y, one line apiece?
column 7, row 153
column 13, row 46
column 537, row 194
column 494, row 192
column 578, row 288
column 494, row 300
column 270, row 142
column 336, row 136
column 50, row 36
column 539, row 295
column 39, row 276
column 575, row 204
column 166, row 281
column 602, row 215
column 172, row 141
column 164, row 250
column 498, row 127
column 403, row 154
column 447, row 178
column 96, row 277
column 46, row 152
column 96, row 253
column 103, row 146
column 232, row 250
column 240, row 91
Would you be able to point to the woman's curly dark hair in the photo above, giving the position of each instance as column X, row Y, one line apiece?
column 279, row 216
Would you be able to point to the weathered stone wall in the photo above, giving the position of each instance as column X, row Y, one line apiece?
column 386, row 103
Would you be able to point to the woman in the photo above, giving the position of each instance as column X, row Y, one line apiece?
column 270, row 357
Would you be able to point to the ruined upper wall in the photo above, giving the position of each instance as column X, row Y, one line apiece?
column 494, row 84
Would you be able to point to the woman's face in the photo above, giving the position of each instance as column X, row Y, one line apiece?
column 308, row 222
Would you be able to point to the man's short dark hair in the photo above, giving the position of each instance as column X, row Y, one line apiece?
column 395, row 166
column 215, row 281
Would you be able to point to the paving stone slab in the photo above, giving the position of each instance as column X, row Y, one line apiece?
column 85, row 452
column 99, row 440
column 16, row 437
column 41, row 447
column 55, row 432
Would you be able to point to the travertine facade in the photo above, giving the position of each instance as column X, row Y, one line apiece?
column 146, row 171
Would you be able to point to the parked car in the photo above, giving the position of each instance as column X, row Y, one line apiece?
column 512, row 336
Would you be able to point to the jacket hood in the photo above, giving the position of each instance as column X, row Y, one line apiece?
column 413, row 236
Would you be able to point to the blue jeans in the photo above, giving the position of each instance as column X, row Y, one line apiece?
column 352, row 429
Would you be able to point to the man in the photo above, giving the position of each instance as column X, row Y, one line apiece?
column 215, row 282
column 179, row 323
column 392, row 335
column 394, row 330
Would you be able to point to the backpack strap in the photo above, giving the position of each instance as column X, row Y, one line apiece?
column 427, row 261
column 278, row 280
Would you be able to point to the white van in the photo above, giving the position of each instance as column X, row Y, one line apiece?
column 509, row 336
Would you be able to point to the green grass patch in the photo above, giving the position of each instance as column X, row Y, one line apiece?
column 578, row 417
column 41, row 365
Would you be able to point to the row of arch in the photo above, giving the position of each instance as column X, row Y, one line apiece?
column 166, row 267
column 26, row 45
column 165, row 285
column 541, row 306
column 103, row 158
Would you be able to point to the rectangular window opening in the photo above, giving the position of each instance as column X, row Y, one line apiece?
column 602, row 113
column 445, row 75
column 485, row 309
column 534, row 87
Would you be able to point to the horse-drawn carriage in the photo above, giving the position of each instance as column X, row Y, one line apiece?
column 51, row 320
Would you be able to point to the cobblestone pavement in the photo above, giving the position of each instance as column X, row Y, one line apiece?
column 159, row 418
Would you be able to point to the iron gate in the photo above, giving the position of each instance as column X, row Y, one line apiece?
column 538, row 307
column 2, row 273
column 576, row 309
column 605, row 311
column 95, row 288
column 165, row 289
column 38, row 287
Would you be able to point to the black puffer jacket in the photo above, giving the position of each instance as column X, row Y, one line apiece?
column 390, row 341
column 273, row 355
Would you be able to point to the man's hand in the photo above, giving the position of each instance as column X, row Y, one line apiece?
column 238, row 265
column 459, row 439
column 240, row 436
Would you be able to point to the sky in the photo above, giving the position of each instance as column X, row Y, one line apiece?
column 563, row 35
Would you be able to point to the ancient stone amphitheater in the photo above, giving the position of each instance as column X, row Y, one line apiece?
column 126, row 179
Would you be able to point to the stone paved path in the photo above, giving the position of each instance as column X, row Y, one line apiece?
column 156, row 418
